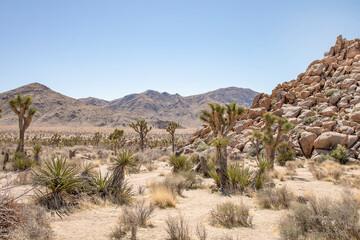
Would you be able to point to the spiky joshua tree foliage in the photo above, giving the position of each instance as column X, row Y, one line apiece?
column 171, row 127
column 96, row 138
column 275, row 127
column 124, row 162
column 142, row 129
column 221, row 120
column 21, row 106
column 116, row 138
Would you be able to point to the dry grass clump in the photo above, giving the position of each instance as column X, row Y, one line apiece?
column 162, row 197
column 277, row 175
column 133, row 217
column 201, row 231
column 177, row 228
column 20, row 221
column 230, row 215
column 327, row 170
column 278, row 198
column 34, row 225
column 323, row 219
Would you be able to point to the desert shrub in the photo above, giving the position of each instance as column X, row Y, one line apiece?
column 239, row 176
column 177, row 228
column 202, row 147
column 212, row 172
column 327, row 170
column 87, row 169
column 201, row 232
column 101, row 185
column 275, row 198
column 340, row 154
column 21, row 163
column 123, row 193
column 191, row 180
column 132, row 217
column 180, row 163
column 230, row 215
column 34, row 225
column 162, row 197
column 284, row 153
column 323, row 219
column 59, row 179
column 309, row 120
column 330, row 92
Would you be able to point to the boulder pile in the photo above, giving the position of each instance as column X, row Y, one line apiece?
column 323, row 103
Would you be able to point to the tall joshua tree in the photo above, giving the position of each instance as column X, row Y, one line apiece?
column 171, row 127
column 21, row 105
column 116, row 138
column 221, row 120
column 142, row 129
column 271, row 137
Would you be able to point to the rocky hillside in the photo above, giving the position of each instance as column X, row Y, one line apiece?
column 55, row 109
column 173, row 107
column 323, row 103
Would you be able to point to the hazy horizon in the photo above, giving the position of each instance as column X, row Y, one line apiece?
column 110, row 49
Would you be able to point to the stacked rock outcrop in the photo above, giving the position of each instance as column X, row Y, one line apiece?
column 323, row 103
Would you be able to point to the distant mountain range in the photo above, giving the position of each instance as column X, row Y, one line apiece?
column 55, row 109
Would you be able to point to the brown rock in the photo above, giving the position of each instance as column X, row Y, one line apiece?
column 307, row 142
column 291, row 112
column 329, row 111
column 355, row 116
column 330, row 140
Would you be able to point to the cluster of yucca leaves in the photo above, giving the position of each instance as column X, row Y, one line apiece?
column 180, row 163
column 241, row 177
column 61, row 183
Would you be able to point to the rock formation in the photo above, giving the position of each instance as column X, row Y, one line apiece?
column 323, row 103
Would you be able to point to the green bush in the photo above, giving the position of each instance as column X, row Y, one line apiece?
column 180, row 163
column 239, row 176
column 340, row 154
column 21, row 163
column 309, row 120
column 285, row 154
column 202, row 147
column 330, row 92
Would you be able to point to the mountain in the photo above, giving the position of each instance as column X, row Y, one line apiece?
column 323, row 103
column 55, row 109
column 173, row 107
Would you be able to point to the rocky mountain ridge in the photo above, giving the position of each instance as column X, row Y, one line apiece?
column 323, row 103
column 55, row 109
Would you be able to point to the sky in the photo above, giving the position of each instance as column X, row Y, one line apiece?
column 109, row 49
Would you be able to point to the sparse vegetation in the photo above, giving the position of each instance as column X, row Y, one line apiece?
column 230, row 215
column 322, row 218
column 278, row 198
column 142, row 129
column 179, row 163
column 177, row 228
column 340, row 154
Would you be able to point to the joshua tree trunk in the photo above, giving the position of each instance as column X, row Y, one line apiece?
column 37, row 158
column 6, row 160
column 173, row 143
column 204, row 167
column 20, row 147
column 223, row 167
column 142, row 142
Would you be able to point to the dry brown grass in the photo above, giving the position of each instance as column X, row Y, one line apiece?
column 162, row 197
column 278, row 198
column 327, row 170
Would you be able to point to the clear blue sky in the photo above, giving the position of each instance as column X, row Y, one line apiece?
column 108, row 49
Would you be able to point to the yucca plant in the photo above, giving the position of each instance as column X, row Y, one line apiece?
column 37, row 149
column 212, row 172
column 102, row 184
column 58, row 178
column 21, row 163
column 124, row 162
column 239, row 176
column 179, row 163
column 123, row 194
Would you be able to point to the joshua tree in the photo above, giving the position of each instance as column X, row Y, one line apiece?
column 142, row 129
column 172, row 126
column 221, row 120
column 96, row 139
column 37, row 150
column 20, row 105
column 116, row 138
column 123, row 162
column 55, row 139
column 275, row 127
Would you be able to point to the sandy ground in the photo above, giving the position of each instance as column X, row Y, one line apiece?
column 98, row 222
column 195, row 207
